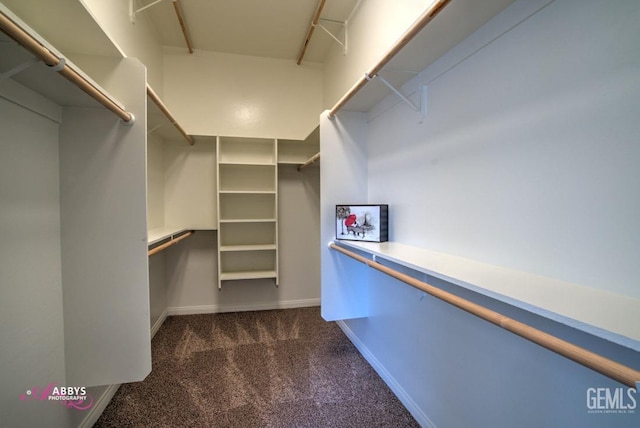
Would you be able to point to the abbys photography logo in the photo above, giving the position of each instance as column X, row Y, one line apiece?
column 612, row 400
column 70, row 396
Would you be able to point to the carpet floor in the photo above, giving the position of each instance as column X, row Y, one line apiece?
column 281, row 368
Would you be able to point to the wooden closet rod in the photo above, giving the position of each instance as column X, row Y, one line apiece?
column 167, row 244
column 154, row 97
column 614, row 370
column 45, row 55
column 183, row 25
column 312, row 160
column 408, row 35
column 312, row 27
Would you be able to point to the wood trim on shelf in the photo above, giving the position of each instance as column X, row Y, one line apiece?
column 612, row 369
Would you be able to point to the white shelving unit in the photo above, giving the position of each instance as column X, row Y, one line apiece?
column 247, row 184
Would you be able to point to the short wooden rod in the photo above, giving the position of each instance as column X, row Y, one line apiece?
column 156, row 99
column 406, row 37
column 45, row 55
column 619, row 372
column 183, row 25
column 167, row 244
column 312, row 27
column 312, row 160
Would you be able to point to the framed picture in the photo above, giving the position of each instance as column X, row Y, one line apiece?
column 362, row 223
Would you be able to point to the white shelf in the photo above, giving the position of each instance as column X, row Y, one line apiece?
column 41, row 78
column 247, row 163
column 248, row 192
column 564, row 302
column 252, row 247
column 161, row 233
column 259, row 274
column 248, row 220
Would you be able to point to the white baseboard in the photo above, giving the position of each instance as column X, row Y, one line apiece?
column 156, row 326
column 397, row 389
column 98, row 407
column 214, row 309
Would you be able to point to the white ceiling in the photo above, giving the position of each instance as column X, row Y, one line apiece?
column 268, row 28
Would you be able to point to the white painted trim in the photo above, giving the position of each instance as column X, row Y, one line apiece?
column 156, row 326
column 397, row 389
column 100, row 404
column 213, row 309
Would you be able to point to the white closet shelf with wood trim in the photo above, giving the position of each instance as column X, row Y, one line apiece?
column 35, row 63
column 170, row 240
column 610, row 368
column 567, row 303
column 418, row 47
column 161, row 233
column 162, row 121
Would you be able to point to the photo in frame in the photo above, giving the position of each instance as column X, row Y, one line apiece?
column 362, row 223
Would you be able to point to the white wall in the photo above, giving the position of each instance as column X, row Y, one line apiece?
column 31, row 317
column 190, row 184
column 234, row 95
column 541, row 152
column 525, row 160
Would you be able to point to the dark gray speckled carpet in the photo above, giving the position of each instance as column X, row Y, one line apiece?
column 282, row 368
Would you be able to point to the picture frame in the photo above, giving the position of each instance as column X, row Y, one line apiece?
column 368, row 222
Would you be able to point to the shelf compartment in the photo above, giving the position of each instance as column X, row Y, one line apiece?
column 244, row 206
column 247, row 261
column 242, row 177
column 242, row 234
column 257, row 151
column 295, row 152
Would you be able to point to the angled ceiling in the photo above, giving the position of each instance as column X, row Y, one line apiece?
column 267, row 28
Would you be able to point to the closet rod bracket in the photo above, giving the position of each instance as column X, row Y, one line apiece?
column 342, row 42
column 133, row 11
column 422, row 93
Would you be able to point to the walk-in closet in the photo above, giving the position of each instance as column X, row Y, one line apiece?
column 186, row 199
